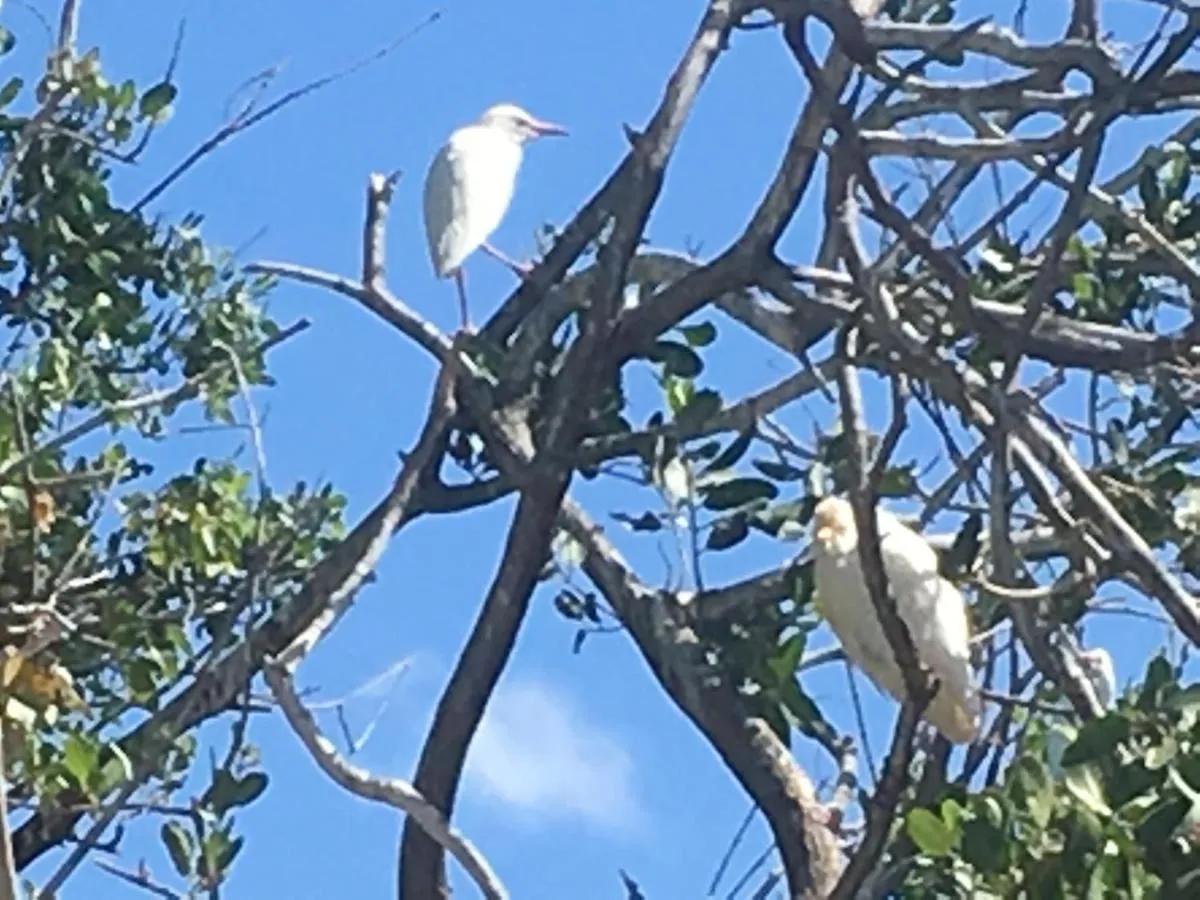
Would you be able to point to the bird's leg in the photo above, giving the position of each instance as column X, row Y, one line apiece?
column 460, row 282
column 521, row 270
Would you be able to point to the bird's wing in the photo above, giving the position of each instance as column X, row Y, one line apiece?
column 467, row 191
column 936, row 616
column 845, row 604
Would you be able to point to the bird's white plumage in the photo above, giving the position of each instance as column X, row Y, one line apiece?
column 467, row 191
column 931, row 608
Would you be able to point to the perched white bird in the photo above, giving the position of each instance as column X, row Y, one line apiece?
column 930, row 606
column 469, row 186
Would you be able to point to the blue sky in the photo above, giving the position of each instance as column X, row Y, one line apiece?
column 583, row 767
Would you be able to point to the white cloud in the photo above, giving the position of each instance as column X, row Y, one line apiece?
column 536, row 753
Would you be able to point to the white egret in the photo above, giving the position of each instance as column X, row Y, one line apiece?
column 929, row 605
column 469, row 186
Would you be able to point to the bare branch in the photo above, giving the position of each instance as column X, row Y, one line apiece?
column 391, row 791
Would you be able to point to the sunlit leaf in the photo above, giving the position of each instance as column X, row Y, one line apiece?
column 933, row 836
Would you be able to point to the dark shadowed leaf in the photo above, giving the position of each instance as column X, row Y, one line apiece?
column 728, row 532
column 1150, row 194
column 1159, row 674
column 676, row 359
column 647, row 521
column 898, row 481
column 730, row 456
column 569, row 605
column 1189, row 224
column 699, row 335
column 179, row 846
column 1098, row 739
column 738, row 492
column 780, row 471
column 11, row 88
column 703, row 405
column 157, row 99
column 228, row 792
column 956, row 562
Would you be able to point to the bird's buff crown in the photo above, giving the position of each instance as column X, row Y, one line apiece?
column 832, row 519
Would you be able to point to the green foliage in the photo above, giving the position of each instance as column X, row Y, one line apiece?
column 114, row 321
column 1109, row 809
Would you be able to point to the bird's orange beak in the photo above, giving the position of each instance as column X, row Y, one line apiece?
column 548, row 129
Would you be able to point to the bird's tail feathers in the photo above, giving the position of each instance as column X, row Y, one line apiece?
column 958, row 722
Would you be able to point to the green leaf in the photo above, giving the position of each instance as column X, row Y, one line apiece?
column 1187, row 700
column 952, row 814
column 157, row 99
column 784, row 661
column 1084, row 785
column 228, row 792
column 703, row 405
column 803, row 712
column 784, row 520
column 11, row 88
column 699, row 335
column 676, row 359
column 1158, row 675
column 1098, row 739
column 1160, row 823
column 179, row 846
column 1188, row 224
column 81, row 756
column 228, row 853
column 728, row 532
column 679, row 393
column 933, row 836
column 1160, row 754
column 1179, row 176
column 739, row 492
column 984, row 846
column 898, row 481
column 1083, row 287
column 249, row 788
